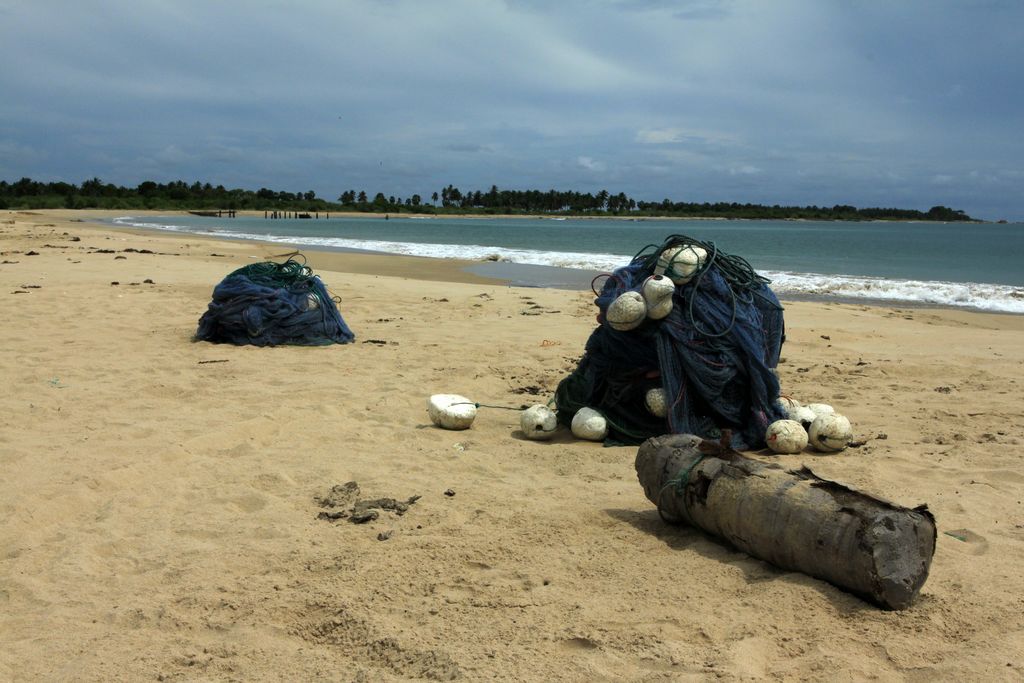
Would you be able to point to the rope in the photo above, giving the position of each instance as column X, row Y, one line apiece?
column 482, row 405
column 743, row 281
column 640, row 436
column 680, row 482
column 611, row 423
column 286, row 274
column 735, row 270
column 610, row 276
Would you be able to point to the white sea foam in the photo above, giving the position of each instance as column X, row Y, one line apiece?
column 986, row 297
column 468, row 252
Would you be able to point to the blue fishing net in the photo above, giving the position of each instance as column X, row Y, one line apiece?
column 269, row 304
column 714, row 355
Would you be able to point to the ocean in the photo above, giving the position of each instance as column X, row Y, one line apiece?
column 971, row 265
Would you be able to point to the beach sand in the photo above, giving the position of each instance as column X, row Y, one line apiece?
column 159, row 495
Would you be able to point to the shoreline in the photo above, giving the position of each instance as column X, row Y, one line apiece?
column 422, row 268
column 538, row 276
column 338, row 259
column 432, row 269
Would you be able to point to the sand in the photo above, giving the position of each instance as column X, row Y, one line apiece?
column 159, row 496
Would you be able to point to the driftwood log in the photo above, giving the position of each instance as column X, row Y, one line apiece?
column 793, row 519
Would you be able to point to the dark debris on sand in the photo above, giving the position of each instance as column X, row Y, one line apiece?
column 342, row 502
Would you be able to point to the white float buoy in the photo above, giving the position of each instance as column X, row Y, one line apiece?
column 796, row 411
column 589, row 424
column 627, row 311
column 788, row 404
column 538, row 422
column 820, row 409
column 829, row 433
column 451, row 411
column 803, row 415
column 786, row 436
column 656, row 402
column 681, row 263
column 657, row 293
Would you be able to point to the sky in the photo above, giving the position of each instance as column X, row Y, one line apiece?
column 905, row 104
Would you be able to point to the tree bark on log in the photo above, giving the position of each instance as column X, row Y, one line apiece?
column 793, row 519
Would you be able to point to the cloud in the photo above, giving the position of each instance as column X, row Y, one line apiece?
column 13, row 153
column 172, row 154
column 659, row 137
column 590, row 164
column 669, row 136
column 685, row 10
column 470, row 147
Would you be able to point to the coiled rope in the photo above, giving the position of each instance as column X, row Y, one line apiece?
column 737, row 272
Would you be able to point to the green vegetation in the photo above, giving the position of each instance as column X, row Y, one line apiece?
column 179, row 195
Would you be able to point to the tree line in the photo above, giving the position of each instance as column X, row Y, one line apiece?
column 179, row 195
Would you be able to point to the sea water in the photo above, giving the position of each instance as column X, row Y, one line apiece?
column 971, row 265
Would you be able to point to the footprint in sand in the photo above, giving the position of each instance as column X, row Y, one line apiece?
column 249, row 502
column 580, row 643
column 752, row 657
column 276, row 483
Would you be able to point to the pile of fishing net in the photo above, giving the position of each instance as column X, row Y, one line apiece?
column 268, row 304
column 688, row 343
